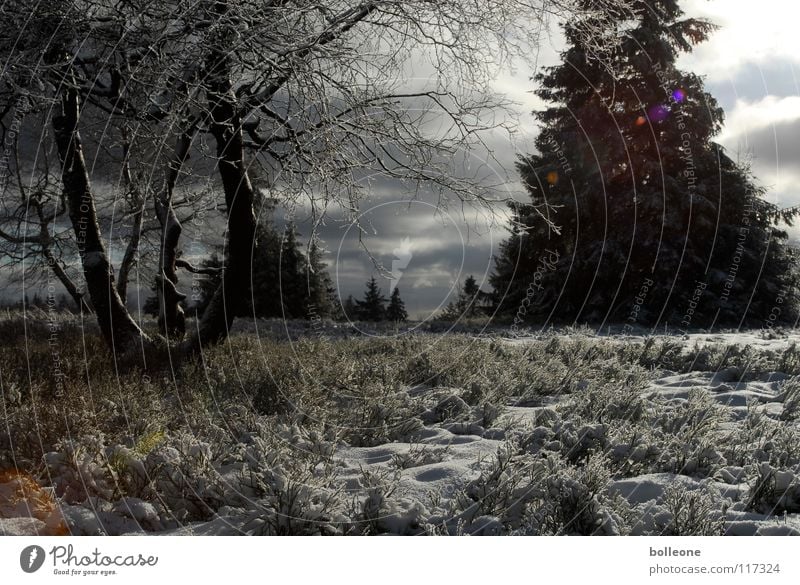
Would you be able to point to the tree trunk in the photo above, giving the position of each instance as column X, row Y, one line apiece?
column 132, row 249
column 116, row 325
column 171, row 318
column 226, row 127
column 70, row 286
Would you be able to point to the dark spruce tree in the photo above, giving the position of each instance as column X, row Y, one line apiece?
column 349, row 310
column 266, row 267
column 396, row 311
column 635, row 215
column 286, row 283
column 373, row 307
column 321, row 295
column 468, row 304
column 293, row 276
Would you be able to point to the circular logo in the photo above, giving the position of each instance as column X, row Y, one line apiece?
column 31, row 558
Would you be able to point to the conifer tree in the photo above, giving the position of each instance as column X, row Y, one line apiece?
column 635, row 214
column 468, row 304
column 321, row 295
column 349, row 309
column 396, row 310
column 293, row 279
column 373, row 307
column 286, row 283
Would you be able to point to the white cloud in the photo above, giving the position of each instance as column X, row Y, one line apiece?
column 750, row 116
column 765, row 130
column 749, row 32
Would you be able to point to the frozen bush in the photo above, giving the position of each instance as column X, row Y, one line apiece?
column 774, row 491
column 692, row 512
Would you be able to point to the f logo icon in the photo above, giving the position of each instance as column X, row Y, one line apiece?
column 31, row 558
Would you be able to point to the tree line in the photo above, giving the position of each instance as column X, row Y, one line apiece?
column 123, row 120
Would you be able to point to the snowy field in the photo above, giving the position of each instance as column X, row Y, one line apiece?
column 562, row 432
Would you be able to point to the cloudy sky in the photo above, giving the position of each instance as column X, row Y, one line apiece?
column 751, row 66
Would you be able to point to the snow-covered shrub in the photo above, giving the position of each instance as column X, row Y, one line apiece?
column 789, row 360
column 376, row 511
column 614, row 395
column 574, row 500
column 377, row 416
column 576, row 442
column 529, row 494
column 759, row 438
column 451, row 408
column 184, row 479
column 692, row 431
column 419, row 454
column 692, row 512
column 665, row 354
column 499, row 490
column 773, row 490
column 790, row 396
column 78, row 469
column 294, row 505
column 634, row 449
column 282, row 477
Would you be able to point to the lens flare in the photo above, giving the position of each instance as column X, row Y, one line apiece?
column 658, row 113
column 641, row 121
column 552, row 177
column 679, row 95
column 22, row 497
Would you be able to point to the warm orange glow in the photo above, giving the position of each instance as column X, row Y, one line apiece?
column 641, row 121
column 552, row 177
column 22, row 497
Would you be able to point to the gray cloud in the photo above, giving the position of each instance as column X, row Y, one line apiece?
column 753, row 81
column 774, row 147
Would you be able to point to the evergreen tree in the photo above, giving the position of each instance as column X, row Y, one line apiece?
column 286, row 282
column 373, row 307
column 266, row 270
column 321, row 292
column 468, row 304
column 349, row 309
column 635, row 214
column 293, row 280
column 150, row 306
column 397, row 308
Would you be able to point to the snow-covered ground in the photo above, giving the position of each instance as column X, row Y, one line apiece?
column 723, row 459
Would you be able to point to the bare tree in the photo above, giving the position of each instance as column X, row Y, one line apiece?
column 318, row 96
column 32, row 234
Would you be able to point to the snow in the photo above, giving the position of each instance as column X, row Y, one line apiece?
column 649, row 488
column 458, row 452
column 400, row 486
